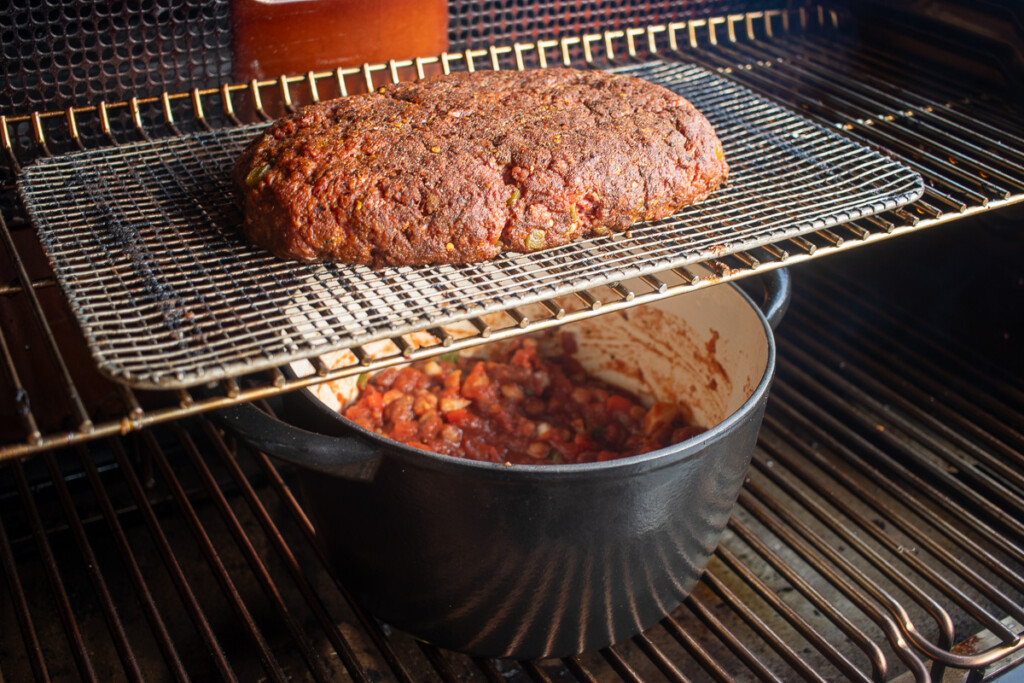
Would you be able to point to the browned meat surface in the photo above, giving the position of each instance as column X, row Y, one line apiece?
column 453, row 169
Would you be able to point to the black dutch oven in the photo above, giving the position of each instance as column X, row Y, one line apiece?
column 544, row 560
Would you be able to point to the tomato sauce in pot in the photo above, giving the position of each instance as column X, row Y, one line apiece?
column 518, row 407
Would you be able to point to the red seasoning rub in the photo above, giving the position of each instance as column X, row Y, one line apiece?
column 456, row 168
column 518, row 407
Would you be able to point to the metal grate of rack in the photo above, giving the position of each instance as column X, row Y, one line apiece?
column 968, row 149
column 875, row 540
column 179, row 299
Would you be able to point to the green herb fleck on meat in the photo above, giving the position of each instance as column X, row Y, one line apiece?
column 256, row 174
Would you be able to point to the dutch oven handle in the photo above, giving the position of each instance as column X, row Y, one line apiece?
column 342, row 456
column 778, row 289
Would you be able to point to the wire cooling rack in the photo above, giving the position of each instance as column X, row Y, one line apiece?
column 144, row 241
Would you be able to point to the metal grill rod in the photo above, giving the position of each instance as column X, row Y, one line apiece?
column 894, row 574
column 72, row 632
column 786, row 651
column 820, row 113
column 954, row 93
column 983, row 500
column 696, row 650
column 898, row 611
column 33, row 649
column 824, row 115
column 731, row 640
column 620, row 666
column 306, row 527
column 745, row 74
column 795, row 619
column 99, row 585
column 934, row 384
column 541, row 676
column 440, row 664
column 488, row 669
column 665, row 665
column 213, row 559
column 862, row 102
column 84, row 424
column 950, row 376
column 317, row 668
column 139, row 583
column 760, row 506
column 807, row 413
column 948, row 423
column 39, row 283
column 924, row 539
column 992, row 622
column 805, row 409
column 814, row 59
column 928, row 114
column 966, row 461
column 21, row 395
column 879, row 665
column 171, row 564
column 341, row 646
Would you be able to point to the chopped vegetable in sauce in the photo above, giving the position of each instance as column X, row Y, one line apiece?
column 536, row 240
column 518, row 407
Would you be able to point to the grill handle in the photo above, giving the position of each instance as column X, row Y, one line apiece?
column 340, row 456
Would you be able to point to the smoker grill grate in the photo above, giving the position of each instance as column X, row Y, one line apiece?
column 875, row 540
column 180, row 299
column 887, row 453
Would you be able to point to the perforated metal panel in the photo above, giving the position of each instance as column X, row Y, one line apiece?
column 475, row 24
column 61, row 53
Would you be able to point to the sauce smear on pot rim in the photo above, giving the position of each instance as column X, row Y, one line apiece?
column 518, row 407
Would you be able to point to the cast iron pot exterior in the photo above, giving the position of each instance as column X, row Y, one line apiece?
column 523, row 561
column 531, row 564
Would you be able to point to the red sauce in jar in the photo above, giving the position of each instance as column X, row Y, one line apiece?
column 518, row 407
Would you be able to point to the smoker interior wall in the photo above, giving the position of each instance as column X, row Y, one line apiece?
column 987, row 42
column 61, row 53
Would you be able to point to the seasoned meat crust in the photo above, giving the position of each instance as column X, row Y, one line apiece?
column 455, row 168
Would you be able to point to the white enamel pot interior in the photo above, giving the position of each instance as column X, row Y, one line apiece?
column 706, row 351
